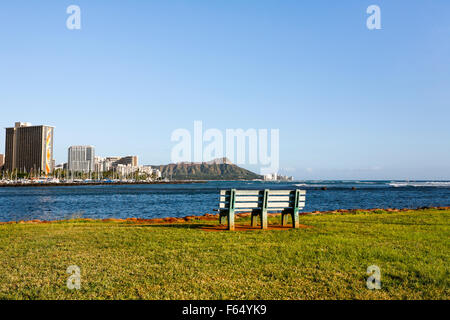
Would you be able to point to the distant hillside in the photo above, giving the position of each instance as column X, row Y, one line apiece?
column 215, row 170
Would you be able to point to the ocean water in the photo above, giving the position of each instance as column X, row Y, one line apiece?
column 179, row 200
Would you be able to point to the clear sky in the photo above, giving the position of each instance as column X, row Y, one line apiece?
column 350, row 103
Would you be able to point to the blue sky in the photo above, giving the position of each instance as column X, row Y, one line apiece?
column 350, row 103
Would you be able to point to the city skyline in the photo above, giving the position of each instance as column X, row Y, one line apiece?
column 349, row 102
column 111, row 161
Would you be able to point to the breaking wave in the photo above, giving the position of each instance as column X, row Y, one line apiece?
column 420, row 184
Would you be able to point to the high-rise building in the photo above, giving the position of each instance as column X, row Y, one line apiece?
column 2, row 161
column 129, row 160
column 81, row 159
column 29, row 148
column 111, row 163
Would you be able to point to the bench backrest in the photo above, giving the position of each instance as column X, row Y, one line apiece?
column 275, row 200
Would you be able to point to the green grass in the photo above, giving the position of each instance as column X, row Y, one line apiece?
column 328, row 261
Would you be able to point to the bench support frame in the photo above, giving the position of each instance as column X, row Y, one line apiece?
column 229, row 213
column 262, row 213
column 293, row 212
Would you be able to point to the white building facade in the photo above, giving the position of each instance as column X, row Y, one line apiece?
column 81, row 159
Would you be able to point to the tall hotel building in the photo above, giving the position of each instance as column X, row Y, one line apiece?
column 81, row 159
column 29, row 148
column 2, row 161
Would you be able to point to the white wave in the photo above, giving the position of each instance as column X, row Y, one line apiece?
column 420, row 184
column 315, row 185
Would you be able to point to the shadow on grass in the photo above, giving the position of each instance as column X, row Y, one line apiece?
column 419, row 223
column 217, row 228
column 176, row 225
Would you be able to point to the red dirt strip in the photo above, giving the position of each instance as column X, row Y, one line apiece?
column 209, row 217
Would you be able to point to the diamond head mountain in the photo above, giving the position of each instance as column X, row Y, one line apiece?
column 217, row 169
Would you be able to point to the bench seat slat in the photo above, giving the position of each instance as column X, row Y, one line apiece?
column 280, row 198
column 223, row 205
column 279, row 205
column 241, row 205
column 248, row 192
column 248, row 199
column 249, row 205
column 245, row 209
column 257, row 192
column 280, row 192
column 242, row 199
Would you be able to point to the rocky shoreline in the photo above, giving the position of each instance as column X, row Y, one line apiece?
column 209, row 217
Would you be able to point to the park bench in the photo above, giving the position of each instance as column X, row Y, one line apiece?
column 259, row 203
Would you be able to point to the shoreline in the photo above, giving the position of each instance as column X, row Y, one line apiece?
column 76, row 184
column 210, row 217
column 71, row 184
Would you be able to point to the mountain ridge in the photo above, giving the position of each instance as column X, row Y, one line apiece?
column 217, row 169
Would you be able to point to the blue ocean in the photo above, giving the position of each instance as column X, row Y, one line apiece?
column 179, row 200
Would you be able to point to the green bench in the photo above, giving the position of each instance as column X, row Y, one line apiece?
column 259, row 203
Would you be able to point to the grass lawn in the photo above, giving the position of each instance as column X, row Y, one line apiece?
column 121, row 260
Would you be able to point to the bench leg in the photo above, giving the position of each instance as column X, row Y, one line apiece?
column 222, row 219
column 264, row 219
column 264, row 209
column 283, row 219
column 231, row 220
column 295, row 220
column 254, row 220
